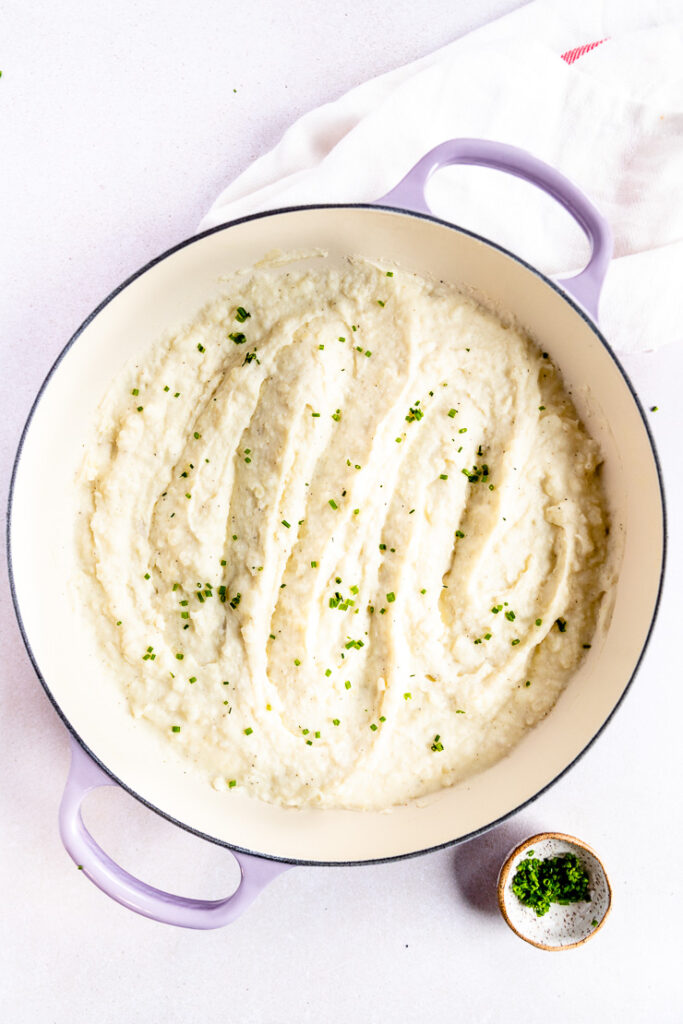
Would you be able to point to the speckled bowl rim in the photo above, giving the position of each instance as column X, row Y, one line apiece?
column 505, row 871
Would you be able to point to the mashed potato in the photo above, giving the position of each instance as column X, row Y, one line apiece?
column 343, row 536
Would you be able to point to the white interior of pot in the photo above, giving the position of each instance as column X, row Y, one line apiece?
column 43, row 550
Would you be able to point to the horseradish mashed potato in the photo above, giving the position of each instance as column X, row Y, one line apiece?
column 343, row 536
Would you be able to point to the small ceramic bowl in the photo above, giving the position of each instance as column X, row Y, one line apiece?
column 563, row 927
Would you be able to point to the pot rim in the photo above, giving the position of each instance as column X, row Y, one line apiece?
column 148, row 266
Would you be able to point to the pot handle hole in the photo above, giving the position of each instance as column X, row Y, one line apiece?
column 91, row 859
column 410, row 194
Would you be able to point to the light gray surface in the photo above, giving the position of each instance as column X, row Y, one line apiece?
column 119, row 125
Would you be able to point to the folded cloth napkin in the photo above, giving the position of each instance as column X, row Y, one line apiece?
column 596, row 90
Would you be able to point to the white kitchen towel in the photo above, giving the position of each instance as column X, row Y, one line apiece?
column 593, row 88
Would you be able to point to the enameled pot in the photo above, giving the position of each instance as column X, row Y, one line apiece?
column 110, row 747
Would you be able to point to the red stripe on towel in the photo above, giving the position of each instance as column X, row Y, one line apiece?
column 571, row 55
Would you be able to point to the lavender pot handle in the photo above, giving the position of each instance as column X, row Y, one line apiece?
column 131, row 892
column 410, row 194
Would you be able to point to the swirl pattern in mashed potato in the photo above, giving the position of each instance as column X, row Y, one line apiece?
column 343, row 536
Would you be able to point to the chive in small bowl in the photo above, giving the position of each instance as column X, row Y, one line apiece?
column 561, row 925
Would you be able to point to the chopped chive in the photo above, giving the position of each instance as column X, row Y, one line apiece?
column 248, row 731
column 238, row 337
column 443, row 476
column 452, row 413
column 335, row 721
column 347, row 684
column 135, row 391
column 232, row 783
column 175, row 728
column 285, row 523
column 391, row 597
column 200, row 347
column 241, row 314
column 314, row 565
column 332, row 503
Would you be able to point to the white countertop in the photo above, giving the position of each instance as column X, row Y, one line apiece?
column 119, row 126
